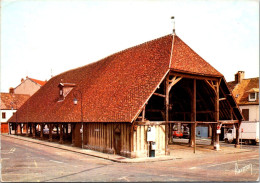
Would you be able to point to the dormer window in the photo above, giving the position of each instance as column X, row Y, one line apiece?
column 64, row 90
column 252, row 96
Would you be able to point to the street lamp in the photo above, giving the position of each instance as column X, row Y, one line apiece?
column 75, row 101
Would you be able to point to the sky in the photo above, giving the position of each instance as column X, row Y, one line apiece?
column 43, row 38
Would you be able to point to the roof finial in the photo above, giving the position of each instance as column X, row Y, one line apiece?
column 173, row 21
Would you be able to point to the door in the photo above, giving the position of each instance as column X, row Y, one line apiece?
column 117, row 142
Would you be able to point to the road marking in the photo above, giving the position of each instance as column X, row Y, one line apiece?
column 124, row 178
column 192, row 167
column 56, row 161
column 231, row 162
column 35, row 163
column 13, row 149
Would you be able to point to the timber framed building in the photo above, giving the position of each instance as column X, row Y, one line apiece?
column 158, row 83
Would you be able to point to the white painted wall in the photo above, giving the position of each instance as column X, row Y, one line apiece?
column 8, row 114
column 253, row 111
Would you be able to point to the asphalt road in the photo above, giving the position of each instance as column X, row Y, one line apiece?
column 26, row 162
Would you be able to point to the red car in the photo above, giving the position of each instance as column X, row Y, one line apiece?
column 177, row 134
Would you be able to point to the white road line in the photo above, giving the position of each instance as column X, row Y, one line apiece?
column 56, row 161
column 35, row 164
column 192, row 167
column 231, row 162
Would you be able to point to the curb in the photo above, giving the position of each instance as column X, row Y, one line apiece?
column 105, row 156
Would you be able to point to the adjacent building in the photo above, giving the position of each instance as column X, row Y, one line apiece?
column 11, row 101
column 28, row 86
column 246, row 93
column 128, row 102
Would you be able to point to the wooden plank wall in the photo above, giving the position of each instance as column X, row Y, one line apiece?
column 140, row 144
column 100, row 137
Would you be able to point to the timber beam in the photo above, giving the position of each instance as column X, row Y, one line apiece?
column 160, row 95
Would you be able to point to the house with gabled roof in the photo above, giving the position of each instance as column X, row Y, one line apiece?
column 129, row 101
column 246, row 93
column 10, row 102
column 28, row 86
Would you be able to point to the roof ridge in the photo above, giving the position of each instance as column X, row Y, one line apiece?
column 113, row 54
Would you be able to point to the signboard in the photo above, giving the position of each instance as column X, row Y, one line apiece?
column 151, row 134
column 218, row 131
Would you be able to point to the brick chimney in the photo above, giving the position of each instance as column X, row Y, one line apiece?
column 11, row 90
column 22, row 80
column 239, row 76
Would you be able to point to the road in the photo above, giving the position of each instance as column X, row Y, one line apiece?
column 27, row 162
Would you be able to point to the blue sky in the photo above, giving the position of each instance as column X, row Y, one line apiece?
column 44, row 37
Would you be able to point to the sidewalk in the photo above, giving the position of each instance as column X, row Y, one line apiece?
column 177, row 151
column 111, row 157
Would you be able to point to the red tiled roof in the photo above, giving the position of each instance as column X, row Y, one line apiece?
column 241, row 90
column 184, row 59
column 12, row 100
column 115, row 88
column 38, row 81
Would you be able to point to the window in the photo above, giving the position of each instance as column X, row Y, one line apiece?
column 252, row 96
column 3, row 115
column 245, row 113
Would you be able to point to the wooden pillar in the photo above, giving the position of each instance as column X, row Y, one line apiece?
column 15, row 128
column 193, row 117
column 167, row 152
column 85, row 135
column 9, row 129
column 50, row 132
column 77, row 135
column 72, row 134
column 143, row 114
column 42, row 126
column 57, row 126
column 216, row 146
column 237, row 145
column 61, row 133
column 34, row 130
column 21, row 128
column 67, row 129
column 31, row 128
column 27, row 128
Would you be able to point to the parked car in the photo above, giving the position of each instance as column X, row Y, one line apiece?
column 186, row 134
column 177, row 133
column 45, row 130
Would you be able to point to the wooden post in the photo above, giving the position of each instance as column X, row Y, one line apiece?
column 27, row 128
column 34, row 130
column 217, row 147
column 72, row 134
column 237, row 145
column 42, row 126
column 15, row 128
column 167, row 115
column 61, row 133
column 193, row 117
column 213, row 137
column 67, row 129
column 143, row 114
column 50, row 132
column 30, row 128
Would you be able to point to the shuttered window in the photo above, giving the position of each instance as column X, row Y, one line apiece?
column 3, row 115
column 245, row 113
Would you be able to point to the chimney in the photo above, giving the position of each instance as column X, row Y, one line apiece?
column 239, row 76
column 22, row 80
column 11, row 90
